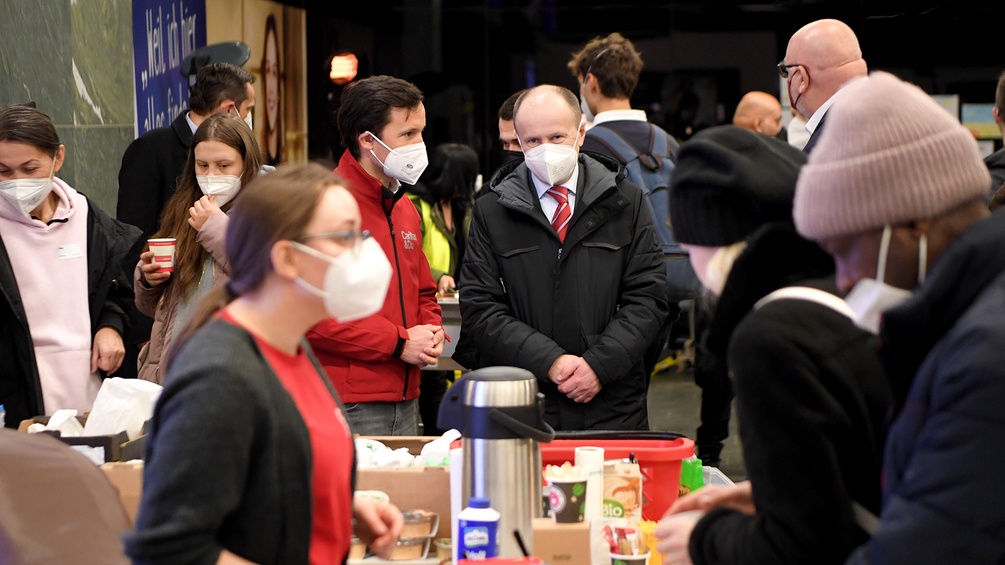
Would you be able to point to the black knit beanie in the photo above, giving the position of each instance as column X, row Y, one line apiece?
column 729, row 181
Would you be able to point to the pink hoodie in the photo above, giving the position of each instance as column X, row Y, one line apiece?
column 50, row 265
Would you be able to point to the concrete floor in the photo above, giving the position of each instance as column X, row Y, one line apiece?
column 674, row 402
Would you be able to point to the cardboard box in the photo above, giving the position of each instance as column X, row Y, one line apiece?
column 562, row 544
column 413, row 488
column 128, row 479
column 110, row 444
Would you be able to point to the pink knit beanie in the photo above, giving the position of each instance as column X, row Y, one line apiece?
column 888, row 154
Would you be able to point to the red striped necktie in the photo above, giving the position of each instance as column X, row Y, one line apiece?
column 560, row 220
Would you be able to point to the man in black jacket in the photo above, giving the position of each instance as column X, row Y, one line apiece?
column 563, row 274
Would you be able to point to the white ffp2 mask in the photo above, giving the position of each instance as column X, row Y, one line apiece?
column 552, row 163
column 405, row 163
column 222, row 187
column 27, row 194
column 356, row 282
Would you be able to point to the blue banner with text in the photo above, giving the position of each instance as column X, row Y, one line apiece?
column 164, row 33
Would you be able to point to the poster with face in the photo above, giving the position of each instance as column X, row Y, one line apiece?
column 270, row 90
column 276, row 36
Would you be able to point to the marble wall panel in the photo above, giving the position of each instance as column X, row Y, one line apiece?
column 98, row 154
column 35, row 56
column 74, row 59
column 102, row 66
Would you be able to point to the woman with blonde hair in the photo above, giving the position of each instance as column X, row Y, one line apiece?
column 249, row 456
column 224, row 157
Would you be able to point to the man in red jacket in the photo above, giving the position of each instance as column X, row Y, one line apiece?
column 374, row 362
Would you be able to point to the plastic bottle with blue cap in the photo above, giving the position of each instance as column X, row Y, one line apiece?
column 477, row 531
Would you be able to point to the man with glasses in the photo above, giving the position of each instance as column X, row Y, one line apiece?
column 374, row 362
column 821, row 59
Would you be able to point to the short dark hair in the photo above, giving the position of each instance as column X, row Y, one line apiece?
column 508, row 107
column 26, row 124
column 217, row 82
column 1000, row 96
column 366, row 106
column 613, row 60
column 456, row 168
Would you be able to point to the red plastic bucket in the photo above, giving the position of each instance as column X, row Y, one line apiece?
column 659, row 461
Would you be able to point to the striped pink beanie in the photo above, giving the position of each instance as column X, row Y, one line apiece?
column 888, row 154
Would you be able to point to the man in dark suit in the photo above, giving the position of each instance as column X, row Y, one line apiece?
column 154, row 161
column 822, row 58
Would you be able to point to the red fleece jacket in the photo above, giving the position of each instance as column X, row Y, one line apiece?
column 359, row 356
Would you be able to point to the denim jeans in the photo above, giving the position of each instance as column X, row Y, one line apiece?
column 383, row 418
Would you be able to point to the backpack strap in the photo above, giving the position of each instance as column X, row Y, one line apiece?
column 658, row 143
column 614, row 143
column 809, row 294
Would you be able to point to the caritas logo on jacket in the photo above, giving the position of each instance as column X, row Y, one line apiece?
column 409, row 238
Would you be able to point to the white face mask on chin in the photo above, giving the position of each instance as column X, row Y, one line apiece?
column 552, row 163
column 404, row 164
column 869, row 298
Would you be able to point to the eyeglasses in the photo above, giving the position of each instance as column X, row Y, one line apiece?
column 783, row 69
column 350, row 238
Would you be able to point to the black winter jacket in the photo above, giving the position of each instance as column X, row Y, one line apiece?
column 151, row 167
column 109, row 291
column 526, row 298
column 811, row 402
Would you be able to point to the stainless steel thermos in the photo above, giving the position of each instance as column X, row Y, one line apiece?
column 500, row 415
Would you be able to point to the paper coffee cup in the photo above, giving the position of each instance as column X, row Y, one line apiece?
column 567, row 499
column 163, row 249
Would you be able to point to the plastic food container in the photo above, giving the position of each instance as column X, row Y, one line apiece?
column 410, row 548
column 444, row 548
column 659, row 455
column 419, row 523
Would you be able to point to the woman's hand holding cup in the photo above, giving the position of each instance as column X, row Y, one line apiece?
column 154, row 274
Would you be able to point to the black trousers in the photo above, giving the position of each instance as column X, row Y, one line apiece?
column 432, row 387
column 712, row 376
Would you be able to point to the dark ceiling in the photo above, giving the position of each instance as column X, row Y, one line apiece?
column 480, row 39
column 929, row 32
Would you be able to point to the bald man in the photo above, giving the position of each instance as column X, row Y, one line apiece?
column 821, row 59
column 759, row 111
column 562, row 274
